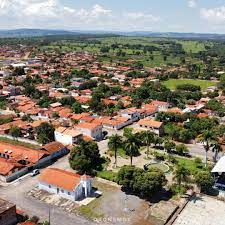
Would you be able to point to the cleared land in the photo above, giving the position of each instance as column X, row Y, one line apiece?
column 202, row 210
column 204, row 84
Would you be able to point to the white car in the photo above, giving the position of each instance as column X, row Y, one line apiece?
column 34, row 172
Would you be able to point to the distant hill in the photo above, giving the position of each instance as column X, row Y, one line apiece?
column 33, row 33
column 176, row 35
column 45, row 32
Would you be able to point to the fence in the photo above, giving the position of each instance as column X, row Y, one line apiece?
column 33, row 142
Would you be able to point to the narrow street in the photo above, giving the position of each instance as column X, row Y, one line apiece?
column 16, row 193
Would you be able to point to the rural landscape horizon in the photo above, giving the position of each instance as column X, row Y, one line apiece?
column 112, row 112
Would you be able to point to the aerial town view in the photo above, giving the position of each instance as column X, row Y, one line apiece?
column 112, row 112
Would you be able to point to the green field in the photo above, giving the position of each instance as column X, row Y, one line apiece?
column 204, row 84
column 133, row 47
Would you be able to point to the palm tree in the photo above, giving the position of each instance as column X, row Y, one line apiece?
column 216, row 148
column 207, row 138
column 148, row 138
column 181, row 174
column 131, row 146
column 157, row 141
column 115, row 141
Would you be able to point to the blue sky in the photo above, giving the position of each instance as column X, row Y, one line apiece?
column 121, row 15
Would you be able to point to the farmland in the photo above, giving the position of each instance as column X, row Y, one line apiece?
column 204, row 84
column 150, row 52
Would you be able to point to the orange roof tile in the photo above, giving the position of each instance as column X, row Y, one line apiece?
column 17, row 152
column 6, row 167
column 90, row 126
column 60, row 178
column 53, row 147
column 150, row 123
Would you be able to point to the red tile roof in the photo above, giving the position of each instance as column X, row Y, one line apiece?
column 60, row 178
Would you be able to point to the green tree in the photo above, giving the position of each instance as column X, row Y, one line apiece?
column 115, row 142
column 181, row 174
column 55, row 115
column 148, row 139
column 126, row 176
column 169, row 145
column 204, row 180
column 149, row 183
column 67, row 101
column 85, row 158
column 77, row 108
column 216, row 148
column 45, row 223
column 142, row 183
column 207, row 138
column 15, row 132
column 45, row 133
column 158, row 141
column 182, row 149
column 131, row 146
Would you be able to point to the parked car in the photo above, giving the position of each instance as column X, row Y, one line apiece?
column 35, row 172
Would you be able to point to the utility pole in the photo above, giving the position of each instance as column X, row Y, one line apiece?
column 49, row 215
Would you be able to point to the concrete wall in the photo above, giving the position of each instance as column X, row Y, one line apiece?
column 96, row 133
column 42, row 163
column 20, row 139
column 80, row 191
column 61, row 192
column 17, row 174
column 64, row 139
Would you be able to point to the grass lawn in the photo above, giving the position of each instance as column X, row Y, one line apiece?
column 106, row 174
column 188, row 163
column 121, row 152
column 89, row 210
column 204, row 84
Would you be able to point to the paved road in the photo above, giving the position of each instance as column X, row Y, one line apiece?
column 196, row 150
column 16, row 193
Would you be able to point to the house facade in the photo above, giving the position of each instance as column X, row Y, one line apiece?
column 152, row 125
column 92, row 130
column 67, row 136
column 132, row 114
column 66, row 184
column 16, row 161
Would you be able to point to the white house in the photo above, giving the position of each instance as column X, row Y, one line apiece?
column 92, row 130
column 67, row 136
column 162, row 106
column 116, row 123
column 152, row 125
column 66, row 184
column 131, row 114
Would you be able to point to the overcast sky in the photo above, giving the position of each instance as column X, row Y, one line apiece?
column 121, row 15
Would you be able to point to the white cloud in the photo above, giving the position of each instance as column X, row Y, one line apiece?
column 214, row 15
column 142, row 16
column 192, row 4
column 55, row 14
column 98, row 10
